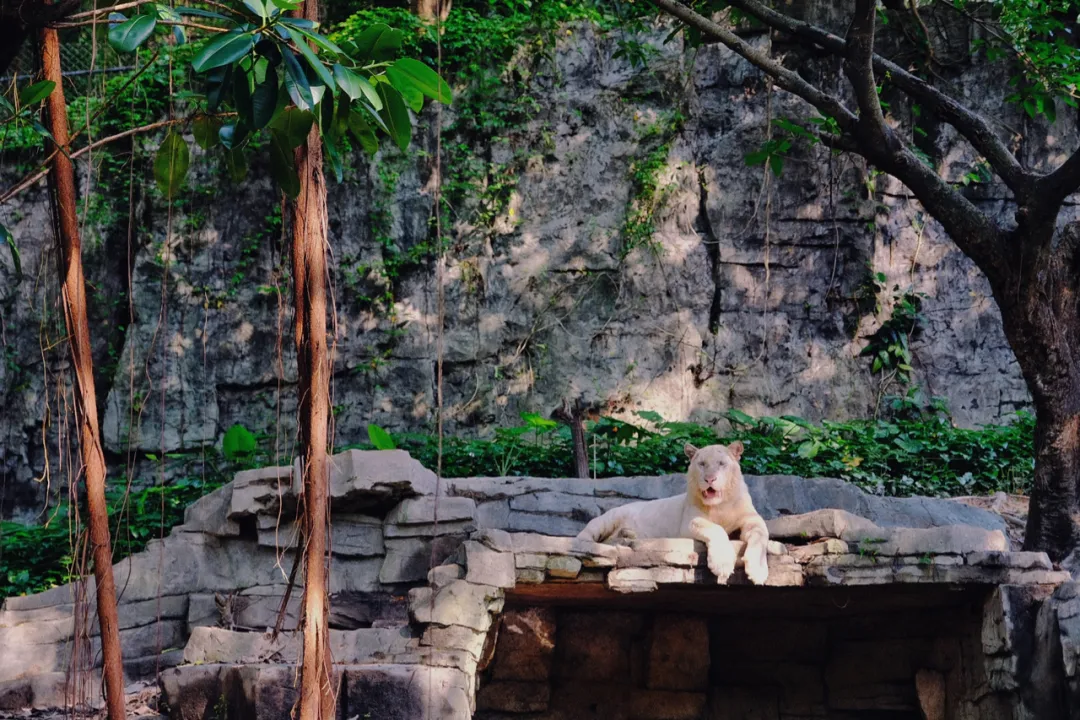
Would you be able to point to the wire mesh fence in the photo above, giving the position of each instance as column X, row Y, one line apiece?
column 80, row 57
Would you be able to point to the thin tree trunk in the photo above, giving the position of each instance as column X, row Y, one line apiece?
column 1040, row 310
column 317, row 696
column 73, row 289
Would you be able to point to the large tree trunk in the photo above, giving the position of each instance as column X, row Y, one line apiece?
column 1040, row 308
column 73, row 289
column 317, row 696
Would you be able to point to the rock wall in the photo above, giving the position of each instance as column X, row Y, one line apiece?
column 751, row 295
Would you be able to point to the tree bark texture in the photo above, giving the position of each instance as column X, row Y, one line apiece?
column 73, row 290
column 1040, row 307
column 317, row 696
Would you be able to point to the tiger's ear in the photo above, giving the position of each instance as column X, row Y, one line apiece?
column 690, row 451
column 736, row 450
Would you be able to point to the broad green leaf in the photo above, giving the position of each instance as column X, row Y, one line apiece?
column 282, row 166
column 296, row 82
column 205, row 129
column 313, row 60
column 776, row 162
column 378, row 43
column 321, row 41
column 409, row 92
column 9, row 240
column 374, row 116
column 363, row 133
column 236, row 163
column 238, row 441
column 649, row 415
column 171, row 164
column 242, row 93
column 257, row 7
column 288, row 4
column 220, row 82
column 294, row 125
column 264, row 100
column 127, row 36
column 296, row 22
column 199, row 12
column 537, row 421
column 396, row 116
column 380, row 438
column 224, row 49
column 740, row 417
column 349, row 81
column 809, row 449
column 423, row 77
column 33, row 94
column 333, row 156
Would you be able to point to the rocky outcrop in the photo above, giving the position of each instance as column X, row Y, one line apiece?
column 751, row 295
column 420, row 587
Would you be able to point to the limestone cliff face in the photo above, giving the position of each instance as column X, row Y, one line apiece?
column 752, row 293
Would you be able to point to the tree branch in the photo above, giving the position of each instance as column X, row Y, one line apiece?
column 784, row 78
column 974, row 233
column 859, row 68
column 968, row 123
column 1052, row 189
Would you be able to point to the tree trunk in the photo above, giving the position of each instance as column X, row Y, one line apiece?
column 428, row 10
column 317, row 696
column 73, row 290
column 1040, row 309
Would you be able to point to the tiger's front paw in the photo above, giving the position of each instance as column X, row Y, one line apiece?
column 756, row 565
column 721, row 561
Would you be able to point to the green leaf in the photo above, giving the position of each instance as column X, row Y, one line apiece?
column 321, row 41
column 396, row 116
column 129, row 35
column 257, row 7
column 264, row 100
column 242, row 93
column 219, row 81
column 294, row 125
column 409, row 92
column 349, row 82
column 740, row 417
column 809, row 449
column 33, row 94
column 756, row 158
column 296, row 82
column 199, row 12
column 363, row 133
column 378, row 43
column 650, row 415
column 205, row 128
column 908, row 445
column 171, row 164
column 776, row 162
column 380, row 438
column 237, row 165
column 282, row 166
column 333, row 156
column 238, row 442
column 9, row 240
column 313, row 60
column 224, row 49
column 424, row 78
column 537, row 421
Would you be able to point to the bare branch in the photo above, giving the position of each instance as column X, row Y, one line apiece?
column 1052, row 189
column 784, row 78
column 974, row 233
column 859, row 68
column 968, row 123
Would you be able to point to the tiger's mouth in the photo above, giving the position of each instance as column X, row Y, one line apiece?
column 710, row 493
